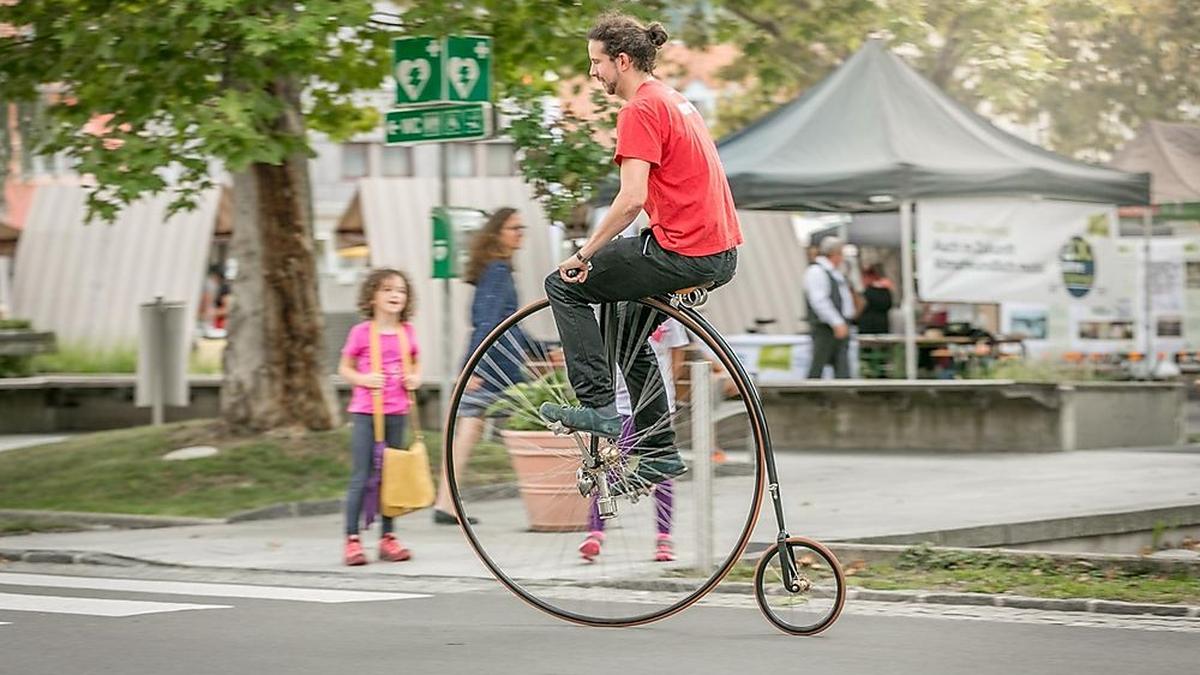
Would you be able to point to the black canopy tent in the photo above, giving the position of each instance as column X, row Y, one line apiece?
column 875, row 136
column 876, row 132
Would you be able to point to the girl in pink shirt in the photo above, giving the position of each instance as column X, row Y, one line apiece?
column 385, row 298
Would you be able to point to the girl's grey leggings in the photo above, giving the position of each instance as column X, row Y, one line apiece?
column 362, row 446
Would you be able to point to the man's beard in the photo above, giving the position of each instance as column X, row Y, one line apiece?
column 610, row 87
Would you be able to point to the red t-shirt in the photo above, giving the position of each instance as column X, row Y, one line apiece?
column 688, row 199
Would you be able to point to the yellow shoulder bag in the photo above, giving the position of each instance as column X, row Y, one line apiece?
column 406, row 482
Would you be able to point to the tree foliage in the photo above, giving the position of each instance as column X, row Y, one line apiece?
column 530, row 37
column 562, row 153
column 1091, row 69
column 184, row 82
column 1123, row 64
column 564, row 156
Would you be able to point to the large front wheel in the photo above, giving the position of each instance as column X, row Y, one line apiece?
column 544, row 527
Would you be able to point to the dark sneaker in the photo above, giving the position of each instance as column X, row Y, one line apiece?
column 441, row 517
column 600, row 421
column 653, row 467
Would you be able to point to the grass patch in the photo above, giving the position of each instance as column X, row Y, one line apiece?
column 924, row 568
column 74, row 358
column 122, row 471
column 28, row 526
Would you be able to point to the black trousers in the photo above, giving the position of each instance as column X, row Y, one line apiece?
column 828, row 350
column 630, row 268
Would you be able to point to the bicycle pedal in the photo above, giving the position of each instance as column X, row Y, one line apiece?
column 587, row 485
column 607, row 506
column 558, row 428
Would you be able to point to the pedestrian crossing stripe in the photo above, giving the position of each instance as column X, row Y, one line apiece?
column 53, row 604
column 212, row 590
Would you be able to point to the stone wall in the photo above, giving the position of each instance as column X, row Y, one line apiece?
column 976, row 416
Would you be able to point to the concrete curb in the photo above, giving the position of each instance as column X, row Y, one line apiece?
column 1083, row 605
column 848, row 553
column 117, row 520
column 288, row 510
column 1087, row 605
column 61, row 557
column 1050, row 529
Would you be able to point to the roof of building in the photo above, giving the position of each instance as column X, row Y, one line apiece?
column 1170, row 152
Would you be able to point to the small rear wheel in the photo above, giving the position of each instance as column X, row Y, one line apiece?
column 817, row 595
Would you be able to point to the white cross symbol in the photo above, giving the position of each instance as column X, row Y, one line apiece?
column 481, row 50
column 433, row 49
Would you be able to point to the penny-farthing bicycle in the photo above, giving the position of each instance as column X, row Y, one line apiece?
column 527, row 497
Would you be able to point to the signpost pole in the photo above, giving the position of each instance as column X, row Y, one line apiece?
column 443, row 94
column 447, row 324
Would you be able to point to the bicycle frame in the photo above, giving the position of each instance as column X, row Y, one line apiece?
column 786, row 556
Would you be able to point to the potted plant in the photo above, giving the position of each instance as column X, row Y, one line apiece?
column 545, row 463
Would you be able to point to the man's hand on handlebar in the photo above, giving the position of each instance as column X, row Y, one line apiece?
column 574, row 270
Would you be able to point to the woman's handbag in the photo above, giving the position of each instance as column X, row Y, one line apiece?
column 407, row 483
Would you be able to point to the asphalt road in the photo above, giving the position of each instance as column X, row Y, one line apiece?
column 105, row 620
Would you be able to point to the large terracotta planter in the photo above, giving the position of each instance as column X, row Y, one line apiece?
column 545, row 465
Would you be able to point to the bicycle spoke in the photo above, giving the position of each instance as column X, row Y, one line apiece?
column 532, row 515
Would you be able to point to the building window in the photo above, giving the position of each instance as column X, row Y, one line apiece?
column 397, row 161
column 500, row 159
column 354, row 160
column 462, row 160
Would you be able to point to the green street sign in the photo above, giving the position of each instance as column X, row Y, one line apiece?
column 468, row 68
column 453, row 228
column 457, row 68
column 431, row 124
column 418, row 71
column 442, row 245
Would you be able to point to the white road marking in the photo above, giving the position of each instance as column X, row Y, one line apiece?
column 203, row 589
column 92, row 606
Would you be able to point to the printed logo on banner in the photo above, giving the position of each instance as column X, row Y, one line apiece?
column 1078, row 267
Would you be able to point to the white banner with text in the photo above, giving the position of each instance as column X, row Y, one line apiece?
column 1010, row 250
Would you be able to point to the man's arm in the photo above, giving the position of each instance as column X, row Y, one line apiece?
column 635, row 177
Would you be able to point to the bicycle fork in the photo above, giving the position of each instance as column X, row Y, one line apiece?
column 792, row 580
column 591, row 476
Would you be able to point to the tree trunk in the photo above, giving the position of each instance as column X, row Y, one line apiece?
column 275, row 375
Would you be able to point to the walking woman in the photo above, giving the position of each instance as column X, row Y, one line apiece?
column 490, row 270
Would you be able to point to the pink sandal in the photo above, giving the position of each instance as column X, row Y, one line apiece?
column 590, row 548
column 664, row 551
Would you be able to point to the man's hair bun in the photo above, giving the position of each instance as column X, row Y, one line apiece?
column 657, row 34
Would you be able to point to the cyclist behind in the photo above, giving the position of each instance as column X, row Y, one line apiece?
column 669, row 166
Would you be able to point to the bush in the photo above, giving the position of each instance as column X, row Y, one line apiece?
column 1025, row 370
column 16, row 365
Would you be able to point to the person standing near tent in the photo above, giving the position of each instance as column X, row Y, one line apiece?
column 877, row 302
column 830, row 309
column 669, row 166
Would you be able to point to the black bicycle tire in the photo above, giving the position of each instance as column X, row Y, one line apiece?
column 698, row 325
column 760, row 590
